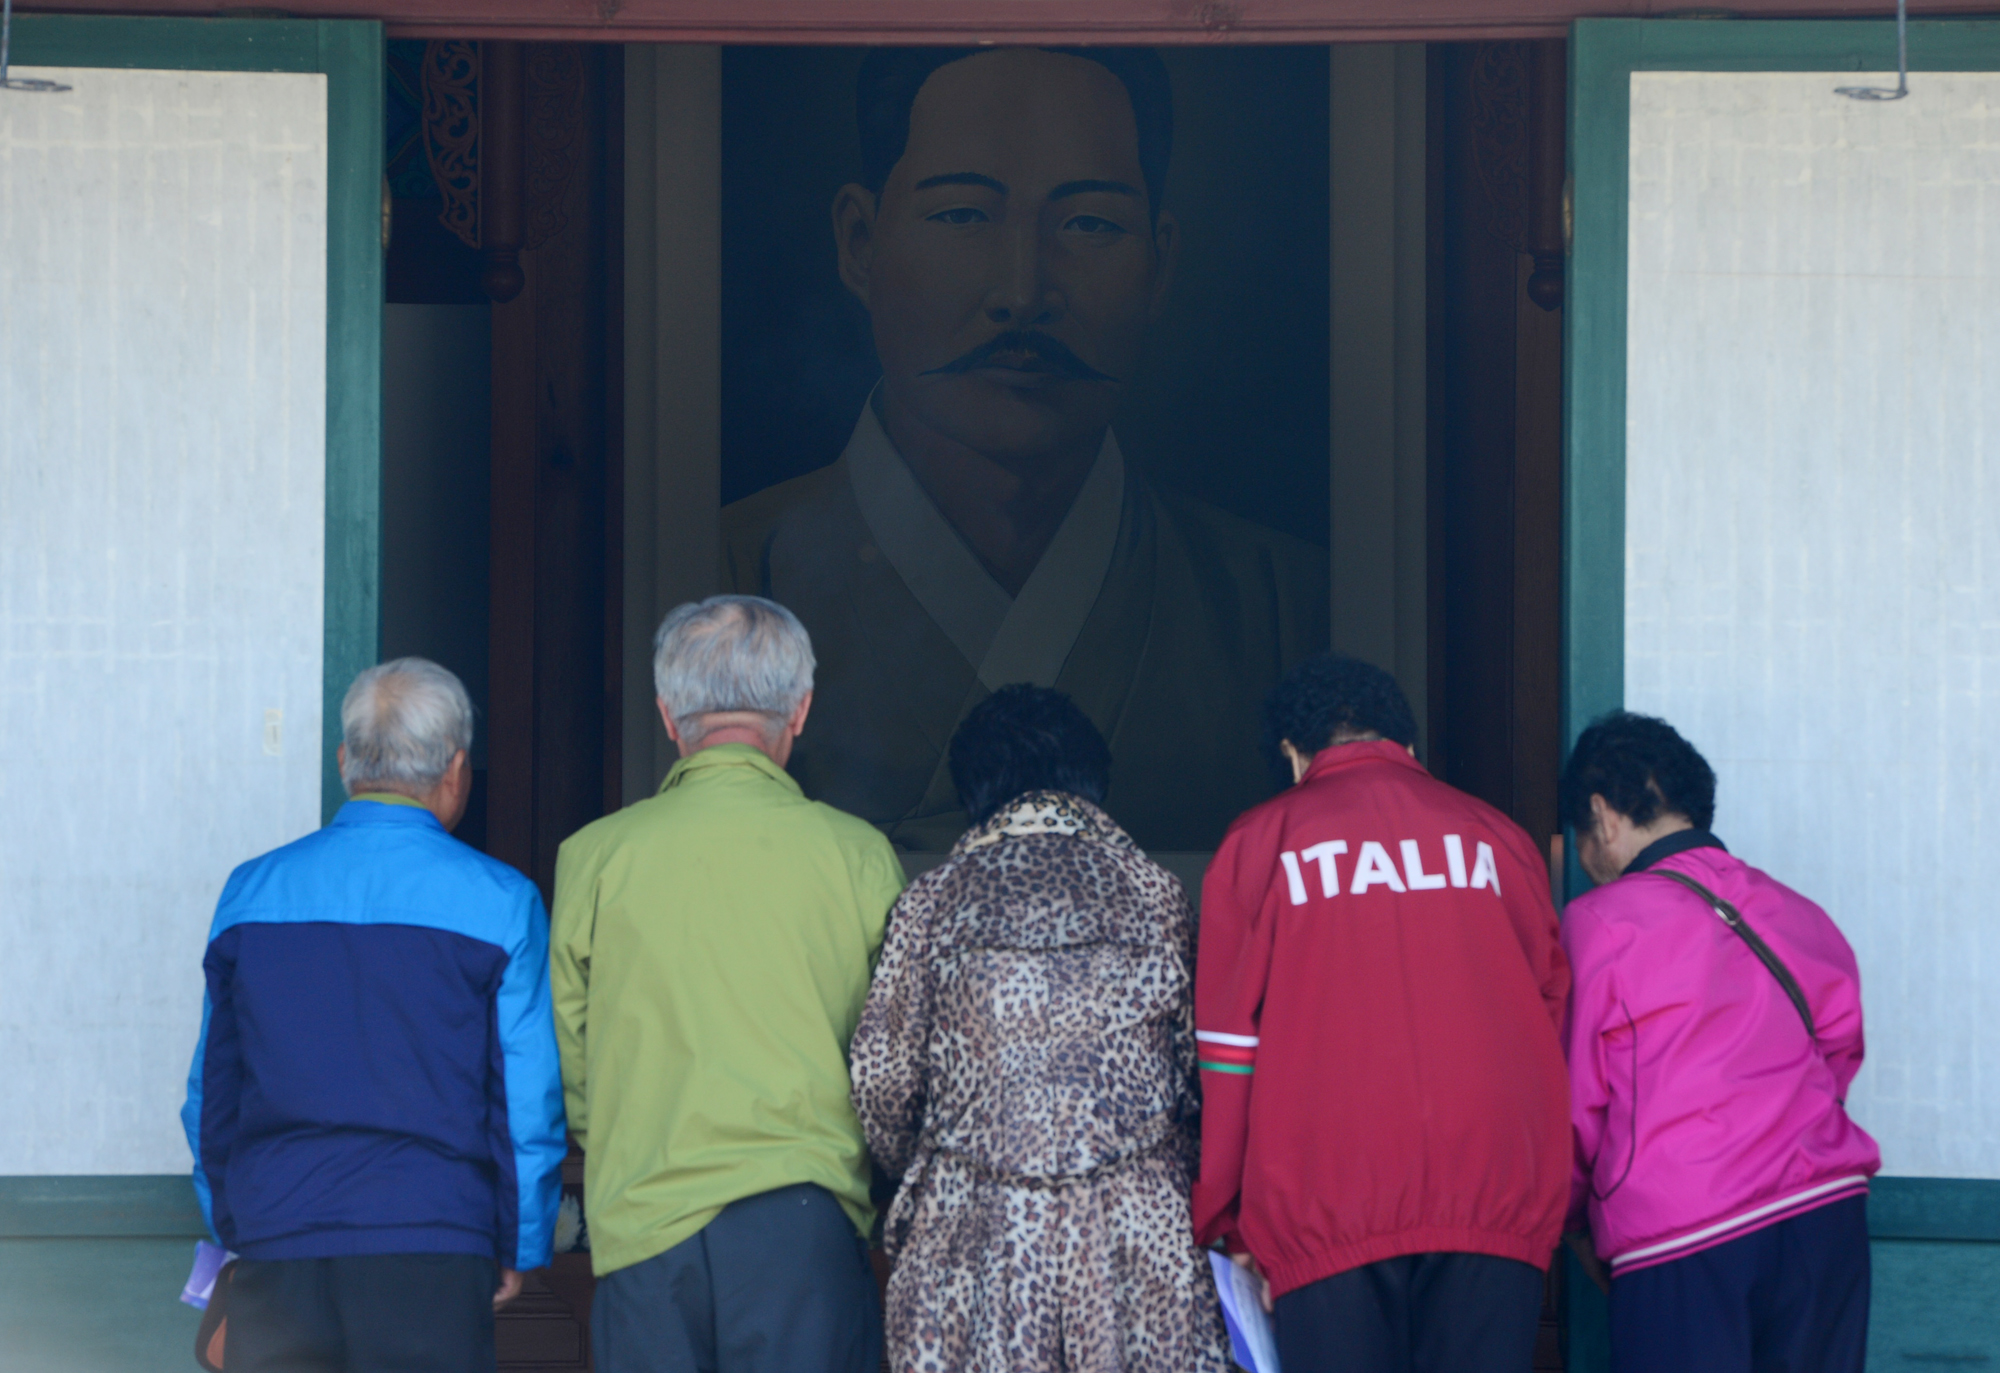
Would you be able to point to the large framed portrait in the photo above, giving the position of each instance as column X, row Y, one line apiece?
column 1024, row 377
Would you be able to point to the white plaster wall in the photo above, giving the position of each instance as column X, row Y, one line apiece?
column 1812, row 588
column 162, row 458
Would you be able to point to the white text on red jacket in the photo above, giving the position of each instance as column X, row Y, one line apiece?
column 1373, row 867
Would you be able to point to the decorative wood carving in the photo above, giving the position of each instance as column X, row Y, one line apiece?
column 555, row 137
column 1500, row 140
column 451, row 132
column 502, row 120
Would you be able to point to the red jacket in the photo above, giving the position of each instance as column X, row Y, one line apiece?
column 1379, row 992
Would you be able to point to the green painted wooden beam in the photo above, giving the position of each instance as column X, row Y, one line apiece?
column 158, row 1205
column 352, row 57
column 1955, row 1209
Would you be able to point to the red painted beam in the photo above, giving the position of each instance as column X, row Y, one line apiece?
column 998, row 21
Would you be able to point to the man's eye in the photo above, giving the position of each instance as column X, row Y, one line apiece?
column 1094, row 224
column 958, row 214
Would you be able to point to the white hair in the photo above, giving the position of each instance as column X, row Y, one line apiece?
column 731, row 653
column 402, row 722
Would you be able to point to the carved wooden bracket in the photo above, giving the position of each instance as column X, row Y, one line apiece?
column 451, row 132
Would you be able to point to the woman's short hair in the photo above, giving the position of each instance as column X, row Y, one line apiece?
column 731, row 653
column 1642, row 768
column 1026, row 738
column 401, row 724
column 1330, row 699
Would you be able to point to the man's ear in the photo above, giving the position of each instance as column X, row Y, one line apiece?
column 854, row 210
column 1167, row 244
column 1297, row 757
column 667, row 720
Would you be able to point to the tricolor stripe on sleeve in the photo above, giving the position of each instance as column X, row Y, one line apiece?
column 1223, row 1053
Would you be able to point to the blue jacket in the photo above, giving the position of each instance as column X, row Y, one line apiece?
column 377, row 1069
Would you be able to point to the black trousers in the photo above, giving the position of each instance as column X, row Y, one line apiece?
column 1790, row 1298
column 370, row 1313
column 776, row 1283
column 1421, row 1313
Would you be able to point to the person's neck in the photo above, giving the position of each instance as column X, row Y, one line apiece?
column 718, row 737
column 437, row 800
column 1007, row 513
column 1642, row 837
column 777, row 750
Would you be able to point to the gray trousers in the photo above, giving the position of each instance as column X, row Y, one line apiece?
column 776, row 1283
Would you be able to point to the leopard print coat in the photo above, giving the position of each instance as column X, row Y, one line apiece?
column 1025, row 1063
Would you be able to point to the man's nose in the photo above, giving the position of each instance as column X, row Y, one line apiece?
column 1024, row 296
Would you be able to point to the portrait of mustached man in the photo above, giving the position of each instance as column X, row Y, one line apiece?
column 1009, row 243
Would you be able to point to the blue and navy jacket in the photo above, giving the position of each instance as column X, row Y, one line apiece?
column 377, row 1070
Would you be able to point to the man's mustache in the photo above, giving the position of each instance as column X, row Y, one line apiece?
column 1025, row 350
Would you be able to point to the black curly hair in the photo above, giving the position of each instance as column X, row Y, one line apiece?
column 1642, row 768
column 1026, row 738
column 1330, row 697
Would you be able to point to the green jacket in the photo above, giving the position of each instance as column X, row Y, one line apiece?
column 710, row 952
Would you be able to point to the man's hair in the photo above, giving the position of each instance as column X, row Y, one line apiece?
column 401, row 722
column 731, row 653
column 1642, row 768
column 1026, row 738
column 890, row 78
column 1330, row 699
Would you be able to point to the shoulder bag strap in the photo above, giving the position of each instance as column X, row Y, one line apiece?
column 1765, row 955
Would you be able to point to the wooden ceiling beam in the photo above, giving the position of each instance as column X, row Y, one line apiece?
column 997, row 21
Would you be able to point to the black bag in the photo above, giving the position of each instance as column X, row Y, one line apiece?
column 1765, row 955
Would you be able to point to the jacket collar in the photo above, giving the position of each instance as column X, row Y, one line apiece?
column 1046, row 812
column 1680, row 841
column 366, row 810
column 1338, row 756
column 710, row 763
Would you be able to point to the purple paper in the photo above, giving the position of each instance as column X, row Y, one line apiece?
column 1250, row 1340
column 208, row 1261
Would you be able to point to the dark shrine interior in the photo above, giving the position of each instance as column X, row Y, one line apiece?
column 503, row 483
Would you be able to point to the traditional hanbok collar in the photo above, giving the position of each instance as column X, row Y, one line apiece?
column 1024, row 638
column 1046, row 812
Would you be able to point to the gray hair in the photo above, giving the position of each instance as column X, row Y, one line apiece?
column 731, row 653
column 402, row 721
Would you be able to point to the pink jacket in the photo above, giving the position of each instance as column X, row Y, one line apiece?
column 1701, row 1108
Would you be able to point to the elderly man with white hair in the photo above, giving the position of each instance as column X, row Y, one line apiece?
column 375, row 1107
column 711, row 953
